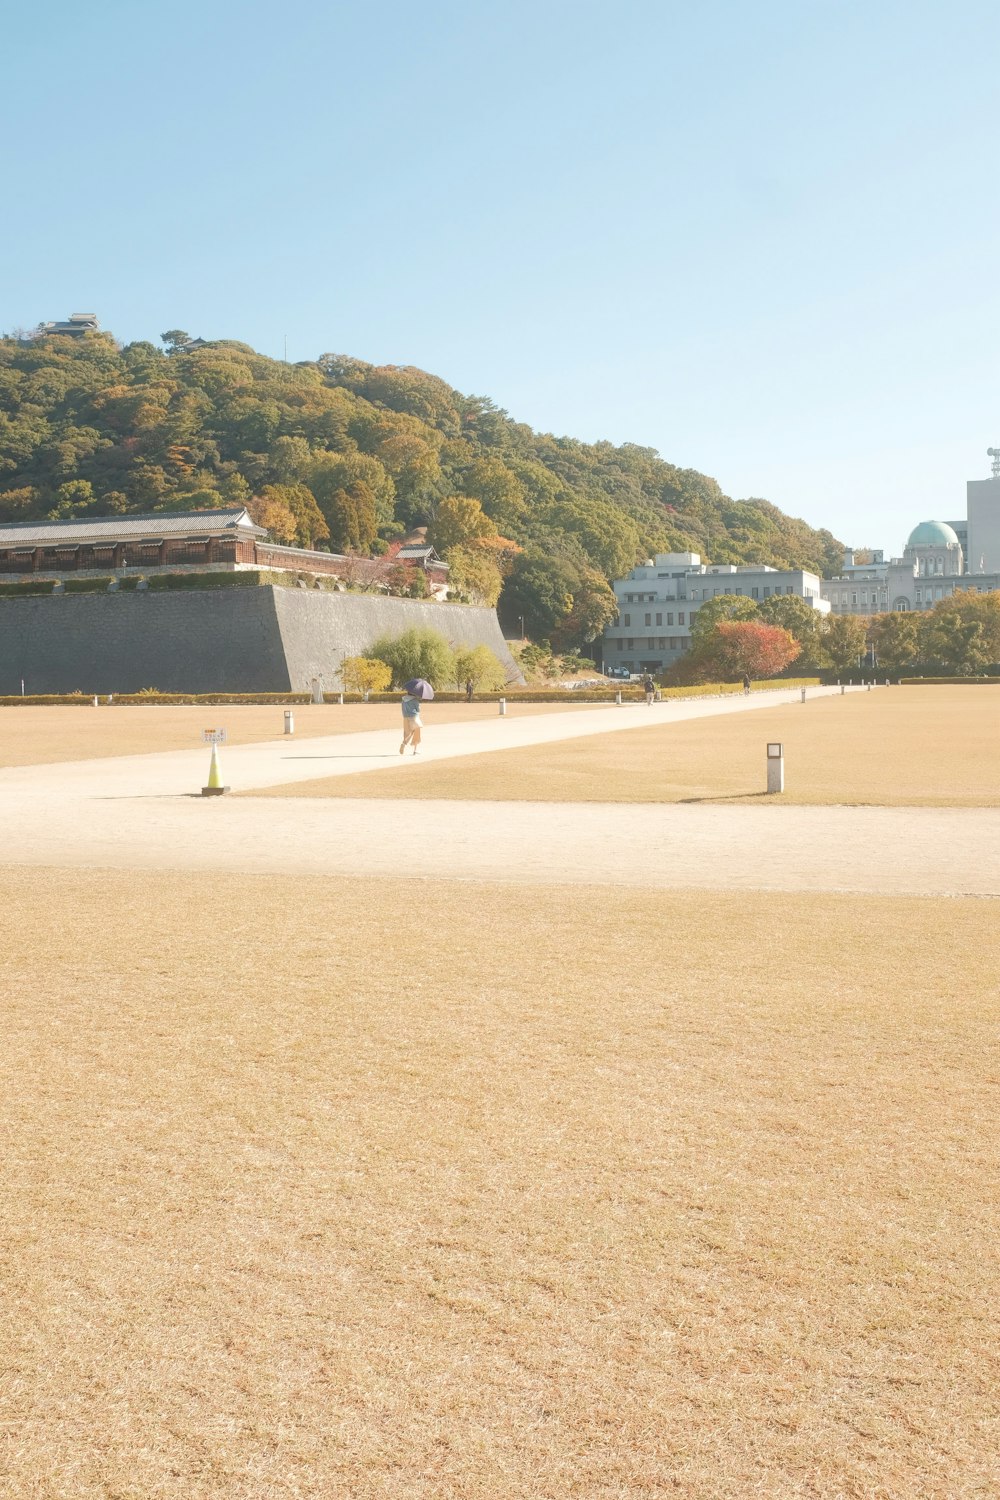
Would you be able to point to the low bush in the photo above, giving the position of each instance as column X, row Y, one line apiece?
column 169, row 581
column 948, row 681
column 24, row 590
column 85, row 585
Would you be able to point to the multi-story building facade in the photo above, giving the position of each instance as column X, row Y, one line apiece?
column 659, row 599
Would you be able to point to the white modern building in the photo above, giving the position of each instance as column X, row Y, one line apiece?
column 660, row 597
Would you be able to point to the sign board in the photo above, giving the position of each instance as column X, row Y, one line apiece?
column 214, row 736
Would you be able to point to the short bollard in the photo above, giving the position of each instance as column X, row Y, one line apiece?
column 775, row 768
column 364, row 695
column 843, row 690
column 95, row 701
column 803, row 695
column 503, row 708
column 869, row 686
column 289, row 721
column 317, row 689
column 887, row 682
column 618, row 696
column 340, row 699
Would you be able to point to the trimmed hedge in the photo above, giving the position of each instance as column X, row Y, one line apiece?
column 160, row 581
column 630, row 694
column 85, row 585
column 27, row 589
column 950, row 681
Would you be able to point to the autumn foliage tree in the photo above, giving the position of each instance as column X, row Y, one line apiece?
column 749, row 647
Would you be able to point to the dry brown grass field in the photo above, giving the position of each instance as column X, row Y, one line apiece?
column 46, row 735
column 930, row 747
column 412, row 1189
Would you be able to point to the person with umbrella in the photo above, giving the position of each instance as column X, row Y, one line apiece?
column 415, row 692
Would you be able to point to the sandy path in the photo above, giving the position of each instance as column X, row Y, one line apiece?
column 277, row 762
column 139, row 813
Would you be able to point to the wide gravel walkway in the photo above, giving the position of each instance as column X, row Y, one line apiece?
column 144, row 812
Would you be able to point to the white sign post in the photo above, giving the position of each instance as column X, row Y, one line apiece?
column 775, row 768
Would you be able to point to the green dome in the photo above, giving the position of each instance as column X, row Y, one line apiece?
column 932, row 534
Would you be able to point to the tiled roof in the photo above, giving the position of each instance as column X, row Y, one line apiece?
column 149, row 526
column 412, row 551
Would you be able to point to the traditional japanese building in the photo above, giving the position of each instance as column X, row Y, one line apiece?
column 211, row 540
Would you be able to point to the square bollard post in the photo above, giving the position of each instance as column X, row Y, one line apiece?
column 775, row 768
column 618, row 696
column 803, row 695
column 317, row 689
column 503, row 708
column 289, row 721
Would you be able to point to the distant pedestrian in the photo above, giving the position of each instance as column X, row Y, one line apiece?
column 415, row 692
column 649, row 687
column 412, row 724
column 746, row 684
column 470, row 688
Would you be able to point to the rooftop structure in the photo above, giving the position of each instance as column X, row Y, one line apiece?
column 75, row 326
column 932, row 534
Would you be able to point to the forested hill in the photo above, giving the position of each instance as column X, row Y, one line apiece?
column 348, row 455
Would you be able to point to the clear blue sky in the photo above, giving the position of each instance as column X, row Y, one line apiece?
column 762, row 238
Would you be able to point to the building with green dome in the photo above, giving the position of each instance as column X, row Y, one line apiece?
column 939, row 557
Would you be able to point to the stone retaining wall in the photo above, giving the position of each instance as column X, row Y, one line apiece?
column 224, row 640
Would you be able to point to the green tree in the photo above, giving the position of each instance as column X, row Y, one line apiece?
column 962, row 634
column 418, row 652
column 499, row 491
column 797, row 616
column 275, row 516
column 723, row 607
column 457, row 521
column 844, row 641
column 365, row 674
column 329, row 474
column 20, row 505
column 541, row 590
column 351, row 518
column 473, row 575
column 593, row 609
column 479, row 665
column 73, row 499
column 896, row 640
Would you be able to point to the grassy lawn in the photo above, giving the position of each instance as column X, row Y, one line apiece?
column 930, row 747
column 46, row 735
column 416, row 1189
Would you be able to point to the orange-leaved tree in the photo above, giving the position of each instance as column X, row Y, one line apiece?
column 738, row 647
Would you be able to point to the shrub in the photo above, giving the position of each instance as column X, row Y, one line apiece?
column 161, row 581
column 419, row 652
column 365, row 674
column 480, row 666
column 86, row 585
column 26, row 589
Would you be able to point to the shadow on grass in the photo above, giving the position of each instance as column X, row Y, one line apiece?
column 731, row 797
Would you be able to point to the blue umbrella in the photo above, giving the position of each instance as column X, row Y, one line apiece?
column 418, row 688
